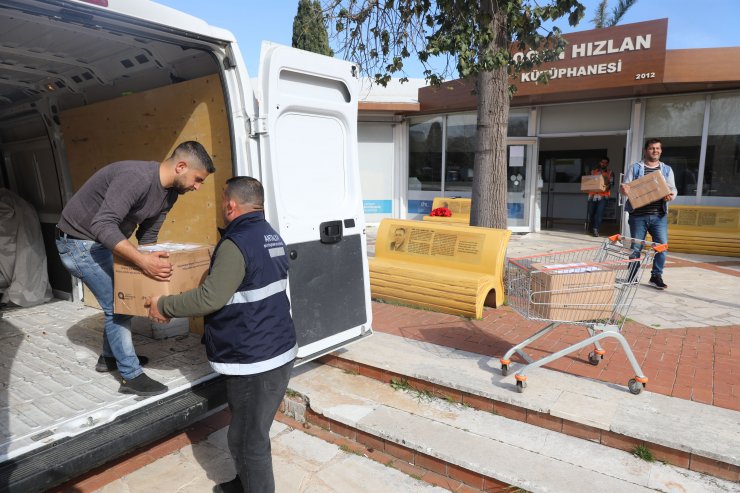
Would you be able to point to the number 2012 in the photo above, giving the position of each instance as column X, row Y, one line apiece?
column 648, row 75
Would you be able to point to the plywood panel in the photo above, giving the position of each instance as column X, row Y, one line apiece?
column 148, row 126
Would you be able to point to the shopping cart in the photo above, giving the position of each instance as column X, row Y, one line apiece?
column 593, row 287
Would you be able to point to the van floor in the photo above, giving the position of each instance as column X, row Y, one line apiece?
column 49, row 388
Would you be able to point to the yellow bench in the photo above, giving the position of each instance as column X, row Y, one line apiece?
column 459, row 207
column 449, row 268
column 704, row 230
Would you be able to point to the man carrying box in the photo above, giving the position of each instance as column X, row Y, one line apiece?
column 97, row 222
column 653, row 217
column 249, row 333
column 597, row 200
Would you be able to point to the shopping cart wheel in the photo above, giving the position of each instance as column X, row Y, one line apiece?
column 594, row 358
column 635, row 386
column 504, row 370
column 520, row 386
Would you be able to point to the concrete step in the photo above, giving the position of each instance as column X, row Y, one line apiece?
column 484, row 450
column 684, row 433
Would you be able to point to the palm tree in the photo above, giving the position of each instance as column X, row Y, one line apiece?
column 601, row 20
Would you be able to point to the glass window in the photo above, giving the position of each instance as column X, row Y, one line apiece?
column 425, row 155
column 678, row 122
column 585, row 117
column 460, row 152
column 518, row 123
column 517, row 157
column 722, row 164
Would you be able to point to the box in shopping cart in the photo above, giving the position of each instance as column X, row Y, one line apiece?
column 572, row 292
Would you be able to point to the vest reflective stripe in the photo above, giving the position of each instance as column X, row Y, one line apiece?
column 254, row 368
column 258, row 294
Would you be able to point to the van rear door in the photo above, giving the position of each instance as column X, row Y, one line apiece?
column 310, row 171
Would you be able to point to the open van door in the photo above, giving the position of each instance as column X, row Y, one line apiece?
column 310, row 171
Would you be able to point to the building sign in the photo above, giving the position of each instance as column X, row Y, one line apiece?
column 628, row 55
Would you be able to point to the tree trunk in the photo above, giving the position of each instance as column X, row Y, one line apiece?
column 490, row 177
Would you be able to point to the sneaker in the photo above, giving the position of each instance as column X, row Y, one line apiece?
column 657, row 282
column 233, row 486
column 108, row 363
column 595, row 232
column 142, row 385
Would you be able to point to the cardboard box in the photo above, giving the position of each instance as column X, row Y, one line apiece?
column 648, row 188
column 593, row 183
column 131, row 286
column 572, row 292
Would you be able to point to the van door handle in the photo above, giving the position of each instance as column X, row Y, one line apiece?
column 330, row 231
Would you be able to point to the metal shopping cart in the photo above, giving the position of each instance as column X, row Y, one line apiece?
column 593, row 287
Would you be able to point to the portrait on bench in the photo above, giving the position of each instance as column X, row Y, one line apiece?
column 399, row 240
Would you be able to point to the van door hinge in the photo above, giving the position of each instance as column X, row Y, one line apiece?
column 257, row 126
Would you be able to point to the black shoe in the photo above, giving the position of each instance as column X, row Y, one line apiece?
column 233, row 486
column 108, row 363
column 595, row 232
column 657, row 282
column 142, row 385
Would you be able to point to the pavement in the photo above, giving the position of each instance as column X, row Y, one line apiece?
column 686, row 339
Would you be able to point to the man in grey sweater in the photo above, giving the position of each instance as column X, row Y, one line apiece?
column 97, row 222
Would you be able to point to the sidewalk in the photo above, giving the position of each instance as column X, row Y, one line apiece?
column 684, row 338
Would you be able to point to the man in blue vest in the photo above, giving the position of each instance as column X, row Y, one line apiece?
column 653, row 217
column 249, row 333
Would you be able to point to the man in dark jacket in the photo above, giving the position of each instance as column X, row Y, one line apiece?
column 97, row 222
column 249, row 333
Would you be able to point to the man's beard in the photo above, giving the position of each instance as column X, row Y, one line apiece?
column 181, row 190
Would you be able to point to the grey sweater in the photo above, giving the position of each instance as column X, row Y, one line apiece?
column 117, row 199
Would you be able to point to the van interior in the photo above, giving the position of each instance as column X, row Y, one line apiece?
column 80, row 89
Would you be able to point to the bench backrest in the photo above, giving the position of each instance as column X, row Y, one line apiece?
column 468, row 248
column 458, row 206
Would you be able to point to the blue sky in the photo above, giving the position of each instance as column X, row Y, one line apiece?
column 691, row 24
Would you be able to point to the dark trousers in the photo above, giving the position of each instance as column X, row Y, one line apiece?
column 596, row 212
column 253, row 401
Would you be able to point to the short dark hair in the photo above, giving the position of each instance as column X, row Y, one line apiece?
column 196, row 151
column 245, row 190
column 605, row 158
column 649, row 142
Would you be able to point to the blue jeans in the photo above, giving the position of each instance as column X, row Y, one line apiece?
column 657, row 226
column 253, row 401
column 92, row 263
column 596, row 212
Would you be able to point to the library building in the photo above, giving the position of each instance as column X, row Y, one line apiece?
column 610, row 91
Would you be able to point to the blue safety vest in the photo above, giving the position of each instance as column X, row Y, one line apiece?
column 254, row 331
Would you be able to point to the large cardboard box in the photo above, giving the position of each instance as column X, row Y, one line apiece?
column 131, row 286
column 593, row 183
column 572, row 292
column 648, row 188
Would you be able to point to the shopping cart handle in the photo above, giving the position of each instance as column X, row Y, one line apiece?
column 658, row 247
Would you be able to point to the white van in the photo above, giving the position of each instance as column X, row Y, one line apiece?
column 87, row 82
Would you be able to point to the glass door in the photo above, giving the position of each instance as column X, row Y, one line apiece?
column 519, row 198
